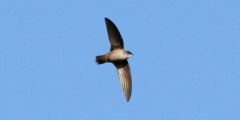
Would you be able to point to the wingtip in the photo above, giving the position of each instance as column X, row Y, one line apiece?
column 107, row 19
column 127, row 98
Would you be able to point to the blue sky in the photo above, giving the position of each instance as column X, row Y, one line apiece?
column 186, row 62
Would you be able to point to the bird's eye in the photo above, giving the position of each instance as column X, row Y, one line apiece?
column 129, row 52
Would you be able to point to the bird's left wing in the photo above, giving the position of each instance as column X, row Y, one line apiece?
column 124, row 74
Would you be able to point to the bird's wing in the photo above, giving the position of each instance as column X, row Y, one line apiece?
column 114, row 35
column 124, row 75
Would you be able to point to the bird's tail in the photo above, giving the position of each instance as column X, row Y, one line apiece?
column 101, row 59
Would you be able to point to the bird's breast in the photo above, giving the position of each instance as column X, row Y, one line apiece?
column 117, row 55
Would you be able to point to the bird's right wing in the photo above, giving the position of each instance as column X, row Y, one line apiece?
column 114, row 35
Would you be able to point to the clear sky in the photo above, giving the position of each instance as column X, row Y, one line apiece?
column 186, row 62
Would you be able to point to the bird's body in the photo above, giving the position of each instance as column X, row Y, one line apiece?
column 118, row 56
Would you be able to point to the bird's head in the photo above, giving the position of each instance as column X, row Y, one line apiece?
column 129, row 53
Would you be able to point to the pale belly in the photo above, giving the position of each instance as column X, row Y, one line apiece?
column 117, row 55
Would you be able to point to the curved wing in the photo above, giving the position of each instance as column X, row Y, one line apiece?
column 114, row 35
column 124, row 75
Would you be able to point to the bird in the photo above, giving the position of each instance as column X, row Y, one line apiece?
column 118, row 56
